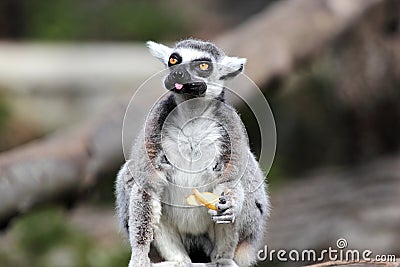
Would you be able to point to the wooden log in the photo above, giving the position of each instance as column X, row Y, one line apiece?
column 357, row 264
column 359, row 204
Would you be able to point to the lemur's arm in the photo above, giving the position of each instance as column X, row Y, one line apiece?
column 138, row 186
column 142, row 216
column 138, row 203
column 231, row 190
column 138, row 208
column 232, row 172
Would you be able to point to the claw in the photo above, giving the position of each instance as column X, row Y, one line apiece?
column 221, row 207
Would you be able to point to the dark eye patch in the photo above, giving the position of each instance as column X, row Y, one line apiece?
column 195, row 66
column 174, row 56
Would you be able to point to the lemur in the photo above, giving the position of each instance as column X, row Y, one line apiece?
column 193, row 139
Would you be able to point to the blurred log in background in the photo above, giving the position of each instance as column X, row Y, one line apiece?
column 330, row 70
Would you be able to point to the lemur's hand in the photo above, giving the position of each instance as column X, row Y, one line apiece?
column 226, row 210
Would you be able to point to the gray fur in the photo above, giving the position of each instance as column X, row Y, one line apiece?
column 192, row 142
column 206, row 47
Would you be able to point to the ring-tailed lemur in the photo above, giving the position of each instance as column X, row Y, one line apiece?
column 193, row 139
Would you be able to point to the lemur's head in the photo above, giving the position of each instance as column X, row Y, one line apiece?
column 197, row 68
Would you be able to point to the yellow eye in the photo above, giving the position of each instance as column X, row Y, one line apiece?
column 203, row 66
column 173, row 61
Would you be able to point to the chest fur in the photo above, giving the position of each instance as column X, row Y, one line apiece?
column 192, row 146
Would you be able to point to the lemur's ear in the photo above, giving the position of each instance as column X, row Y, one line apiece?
column 160, row 51
column 231, row 67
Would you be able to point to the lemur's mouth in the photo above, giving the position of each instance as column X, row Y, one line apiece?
column 192, row 88
column 178, row 86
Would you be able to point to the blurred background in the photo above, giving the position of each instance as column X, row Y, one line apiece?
column 329, row 69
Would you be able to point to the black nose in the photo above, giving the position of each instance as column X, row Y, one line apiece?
column 180, row 76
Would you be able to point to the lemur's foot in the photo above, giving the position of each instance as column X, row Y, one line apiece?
column 225, row 263
column 143, row 262
column 225, row 212
column 171, row 264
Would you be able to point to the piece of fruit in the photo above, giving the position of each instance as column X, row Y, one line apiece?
column 206, row 199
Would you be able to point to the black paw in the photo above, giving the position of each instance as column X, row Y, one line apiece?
column 225, row 212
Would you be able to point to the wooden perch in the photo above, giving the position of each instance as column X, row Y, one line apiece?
column 169, row 264
column 65, row 163
column 59, row 166
column 357, row 264
column 360, row 205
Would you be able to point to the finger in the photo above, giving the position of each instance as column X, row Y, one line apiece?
column 221, row 206
column 212, row 212
column 228, row 211
column 223, row 222
column 224, row 218
column 222, row 200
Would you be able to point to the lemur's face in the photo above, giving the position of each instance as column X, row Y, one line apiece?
column 196, row 68
column 189, row 76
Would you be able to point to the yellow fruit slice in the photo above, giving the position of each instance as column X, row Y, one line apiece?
column 206, row 199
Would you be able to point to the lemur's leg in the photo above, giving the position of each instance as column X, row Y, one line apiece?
column 245, row 254
column 144, row 211
column 169, row 244
column 122, row 192
column 253, row 217
column 226, row 240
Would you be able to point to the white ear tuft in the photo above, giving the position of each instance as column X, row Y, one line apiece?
column 232, row 66
column 160, row 51
column 234, row 62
